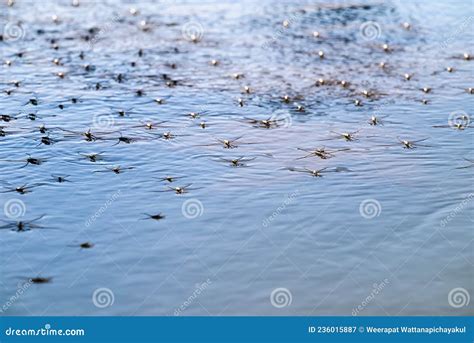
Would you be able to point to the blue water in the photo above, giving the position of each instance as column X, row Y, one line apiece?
column 261, row 226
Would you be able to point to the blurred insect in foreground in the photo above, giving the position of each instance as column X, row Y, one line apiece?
column 157, row 216
column 85, row 245
column 40, row 279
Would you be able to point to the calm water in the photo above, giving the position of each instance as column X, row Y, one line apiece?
column 397, row 218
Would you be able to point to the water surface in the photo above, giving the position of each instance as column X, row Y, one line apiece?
column 258, row 227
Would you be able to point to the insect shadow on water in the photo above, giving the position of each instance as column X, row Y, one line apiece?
column 93, row 157
column 23, row 189
column 29, row 160
column 114, row 169
column 22, row 225
column 125, row 139
column 4, row 133
column 7, row 118
column 170, row 179
column 322, row 153
column 237, row 162
column 32, row 116
column 46, row 140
